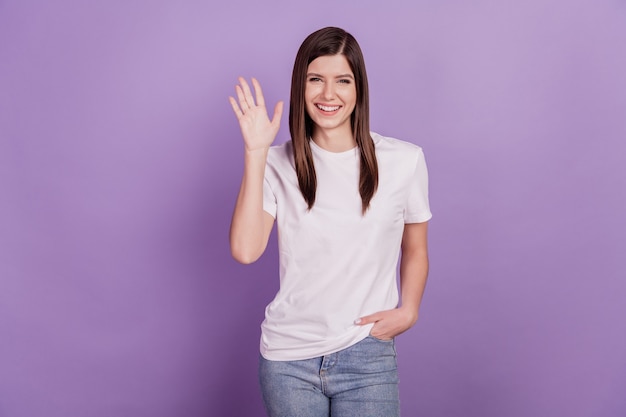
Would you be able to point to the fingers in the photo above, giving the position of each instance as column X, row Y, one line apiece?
column 259, row 93
column 247, row 93
column 380, row 329
column 242, row 99
column 244, row 95
column 372, row 318
column 246, row 101
column 235, row 107
column 387, row 324
column 278, row 112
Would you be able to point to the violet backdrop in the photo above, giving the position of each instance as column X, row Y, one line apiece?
column 120, row 161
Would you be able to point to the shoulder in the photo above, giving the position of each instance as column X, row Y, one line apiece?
column 280, row 164
column 282, row 153
column 395, row 149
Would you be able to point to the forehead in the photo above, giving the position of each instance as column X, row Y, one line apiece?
column 330, row 65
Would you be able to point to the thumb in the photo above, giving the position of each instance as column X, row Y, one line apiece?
column 372, row 318
column 278, row 112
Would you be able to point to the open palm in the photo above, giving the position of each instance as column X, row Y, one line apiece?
column 257, row 129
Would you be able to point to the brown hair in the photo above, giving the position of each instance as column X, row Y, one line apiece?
column 331, row 41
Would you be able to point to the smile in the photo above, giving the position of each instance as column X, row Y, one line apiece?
column 327, row 108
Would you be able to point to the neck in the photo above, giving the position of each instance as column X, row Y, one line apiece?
column 335, row 140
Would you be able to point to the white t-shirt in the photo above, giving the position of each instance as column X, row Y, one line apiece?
column 337, row 265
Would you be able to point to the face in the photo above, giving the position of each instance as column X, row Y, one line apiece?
column 330, row 93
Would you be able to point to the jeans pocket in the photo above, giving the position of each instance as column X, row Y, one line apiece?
column 380, row 340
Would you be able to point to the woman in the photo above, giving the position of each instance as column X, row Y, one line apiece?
column 346, row 201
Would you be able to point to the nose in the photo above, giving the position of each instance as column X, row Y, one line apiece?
column 329, row 91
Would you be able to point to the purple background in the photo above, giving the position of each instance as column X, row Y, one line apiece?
column 120, row 161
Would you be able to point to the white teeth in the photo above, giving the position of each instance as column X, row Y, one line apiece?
column 327, row 108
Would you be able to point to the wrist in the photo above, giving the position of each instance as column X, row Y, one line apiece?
column 255, row 152
column 256, row 157
column 410, row 313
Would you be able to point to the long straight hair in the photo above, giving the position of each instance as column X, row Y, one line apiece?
column 331, row 41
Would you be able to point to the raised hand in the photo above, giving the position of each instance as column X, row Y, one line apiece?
column 257, row 129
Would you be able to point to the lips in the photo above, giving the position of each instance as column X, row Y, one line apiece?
column 328, row 109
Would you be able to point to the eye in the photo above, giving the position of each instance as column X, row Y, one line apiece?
column 345, row 81
column 315, row 79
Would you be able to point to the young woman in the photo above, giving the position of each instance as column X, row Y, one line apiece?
column 346, row 202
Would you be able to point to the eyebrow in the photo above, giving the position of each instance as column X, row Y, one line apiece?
column 314, row 74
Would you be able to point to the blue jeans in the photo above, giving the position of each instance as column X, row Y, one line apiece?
column 361, row 380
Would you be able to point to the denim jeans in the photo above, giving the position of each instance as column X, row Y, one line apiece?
column 361, row 380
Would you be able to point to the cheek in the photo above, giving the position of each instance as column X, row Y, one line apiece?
column 352, row 101
column 350, row 97
column 310, row 92
column 308, row 106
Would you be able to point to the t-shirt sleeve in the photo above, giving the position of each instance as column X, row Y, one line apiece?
column 417, row 208
column 269, row 199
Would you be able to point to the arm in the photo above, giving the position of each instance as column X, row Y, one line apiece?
column 413, row 274
column 251, row 226
column 414, row 267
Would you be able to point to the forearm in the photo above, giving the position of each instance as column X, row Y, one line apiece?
column 248, row 230
column 413, row 276
column 413, row 268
